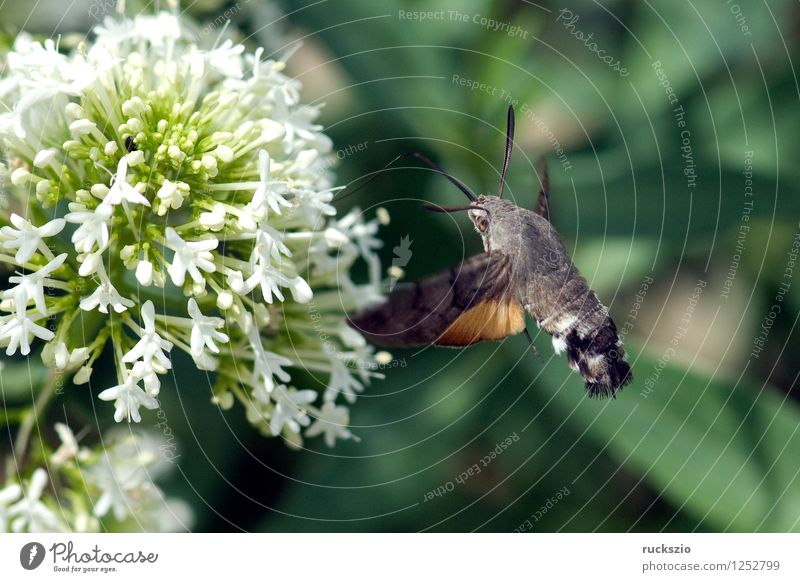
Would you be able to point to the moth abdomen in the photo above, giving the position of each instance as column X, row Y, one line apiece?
column 599, row 357
column 581, row 327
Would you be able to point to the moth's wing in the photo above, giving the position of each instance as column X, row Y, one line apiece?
column 459, row 307
column 543, row 201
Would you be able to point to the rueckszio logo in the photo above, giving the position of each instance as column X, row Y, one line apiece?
column 31, row 555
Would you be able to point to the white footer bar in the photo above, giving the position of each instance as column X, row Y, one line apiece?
column 406, row 557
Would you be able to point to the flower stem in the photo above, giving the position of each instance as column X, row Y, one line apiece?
column 32, row 416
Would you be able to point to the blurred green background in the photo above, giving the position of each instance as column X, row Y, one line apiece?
column 706, row 437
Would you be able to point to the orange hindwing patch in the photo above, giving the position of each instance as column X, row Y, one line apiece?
column 489, row 320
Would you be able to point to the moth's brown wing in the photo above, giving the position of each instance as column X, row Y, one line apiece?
column 459, row 307
column 543, row 201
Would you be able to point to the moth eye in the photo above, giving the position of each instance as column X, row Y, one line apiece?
column 481, row 223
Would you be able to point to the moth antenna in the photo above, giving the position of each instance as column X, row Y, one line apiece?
column 424, row 159
column 448, row 209
column 509, row 148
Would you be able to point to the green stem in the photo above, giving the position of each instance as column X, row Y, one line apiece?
column 32, row 416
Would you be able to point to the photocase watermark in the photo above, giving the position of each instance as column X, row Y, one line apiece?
column 169, row 447
column 401, row 256
column 777, row 306
column 474, row 85
column 382, row 364
column 94, row 560
column 221, row 19
column 551, row 502
column 680, row 121
column 31, row 555
column 739, row 16
column 341, row 154
column 99, row 9
column 568, row 19
column 490, row 24
column 550, row 136
column 680, row 333
column 382, row 360
column 4, row 196
column 633, row 313
column 744, row 226
column 473, row 470
column 522, row 108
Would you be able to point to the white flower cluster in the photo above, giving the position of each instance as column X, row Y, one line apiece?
column 169, row 197
column 112, row 481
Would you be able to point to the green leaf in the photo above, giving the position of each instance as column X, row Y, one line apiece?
column 722, row 452
column 21, row 379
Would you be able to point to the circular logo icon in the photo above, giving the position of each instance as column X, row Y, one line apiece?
column 31, row 555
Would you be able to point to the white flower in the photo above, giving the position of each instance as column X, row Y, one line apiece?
column 90, row 263
column 122, row 478
column 289, row 412
column 363, row 235
column 31, row 286
column 190, row 256
column 268, row 247
column 268, row 193
column 151, row 346
column 29, row 513
column 215, row 219
column 8, row 495
column 121, row 190
column 226, row 59
column 68, row 449
column 83, row 375
column 269, row 243
column 113, row 495
column 166, row 515
column 298, row 122
column 144, row 273
column 159, row 30
column 342, row 380
column 262, row 274
column 105, row 295
column 314, row 205
column 45, row 157
column 18, row 329
column 57, row 355
column 332, row 420
column 205, row 331
column 265, row 365
column 147, row 371
column 319, row 252
column 26, row 237
column 301, row 290
column 218, row 141
column 171, row 195
column 93, row 229
column 128, row 397
column 49, row 75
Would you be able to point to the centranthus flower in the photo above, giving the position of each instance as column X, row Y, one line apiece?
column 205, row 331
column 30, row 513
column 177, row 198
column 331, row 421
column 128, row 397
column 108, row 487
column 26, row 237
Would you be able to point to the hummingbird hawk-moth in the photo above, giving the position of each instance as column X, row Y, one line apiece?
column 524, row 268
